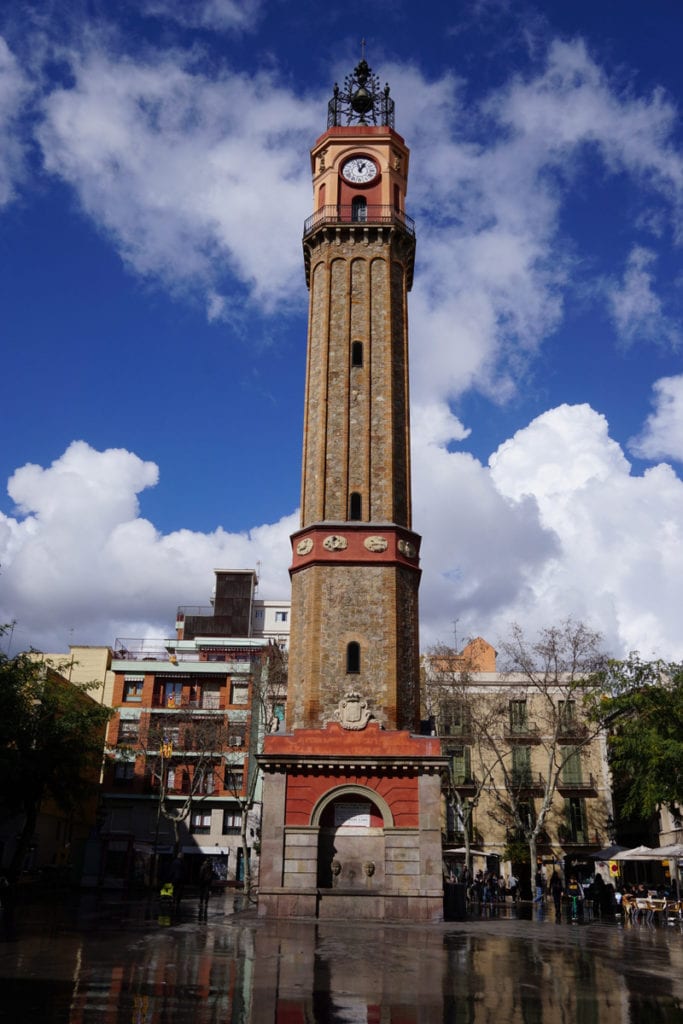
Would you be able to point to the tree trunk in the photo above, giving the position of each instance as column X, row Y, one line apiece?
column 244, row 822
column 23, row 842
column 466, row 815
column 533, row 866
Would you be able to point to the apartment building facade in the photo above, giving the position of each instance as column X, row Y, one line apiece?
column 179, row 772
column 518, row 752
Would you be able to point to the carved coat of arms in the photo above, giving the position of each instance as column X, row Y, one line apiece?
column 353, row 712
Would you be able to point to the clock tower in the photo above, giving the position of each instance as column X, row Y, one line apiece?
column 355, row 569
column 351, row 821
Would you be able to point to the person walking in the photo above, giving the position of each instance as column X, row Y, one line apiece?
column 539, row 883
column 205, row 880
column 575, row 894
column 556, row 889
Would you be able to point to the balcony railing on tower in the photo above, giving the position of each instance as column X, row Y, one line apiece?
column 371, row 214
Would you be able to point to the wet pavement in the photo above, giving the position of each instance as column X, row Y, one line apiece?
column 107, row 959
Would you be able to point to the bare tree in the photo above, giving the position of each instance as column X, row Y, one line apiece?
column 449, row 706
column 540, row 707
column 490, row 725
column 268, row 696
column 190, row 753
column 183, row 755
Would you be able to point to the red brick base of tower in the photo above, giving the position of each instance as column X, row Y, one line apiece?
column 351, row 825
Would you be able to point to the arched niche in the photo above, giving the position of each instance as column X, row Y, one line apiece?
column 351, row 822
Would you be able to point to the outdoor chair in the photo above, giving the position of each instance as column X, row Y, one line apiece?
column 628, row 904
column 674, row 911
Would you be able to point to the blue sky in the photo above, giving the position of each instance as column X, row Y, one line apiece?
column 154, row 180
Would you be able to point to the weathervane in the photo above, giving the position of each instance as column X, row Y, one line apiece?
column 362, row 100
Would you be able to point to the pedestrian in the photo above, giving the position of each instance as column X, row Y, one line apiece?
column 205, row 880
column 539, row 883
column 514, row 884
column 556, row 888
column 603, row 897
column 494, row 893
column 575, row 894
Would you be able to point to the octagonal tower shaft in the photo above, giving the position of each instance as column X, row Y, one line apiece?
column 355, row 566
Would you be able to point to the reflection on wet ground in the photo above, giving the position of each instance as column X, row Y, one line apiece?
column 107, row 959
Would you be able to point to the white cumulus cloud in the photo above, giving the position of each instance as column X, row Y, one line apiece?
column 77, row 554
column 620, row 536
column 193, row 178
column 662, row 435
column 556, row 525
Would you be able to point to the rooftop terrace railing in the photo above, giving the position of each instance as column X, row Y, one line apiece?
column 137, row 649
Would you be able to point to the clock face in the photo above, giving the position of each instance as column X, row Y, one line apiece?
column 359, row 170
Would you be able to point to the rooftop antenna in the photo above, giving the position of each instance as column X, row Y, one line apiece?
column 455, row 634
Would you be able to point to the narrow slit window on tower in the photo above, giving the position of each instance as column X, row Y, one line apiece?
column 359, row 209
column 355, row 506
column 356, row 353
column 353, row 658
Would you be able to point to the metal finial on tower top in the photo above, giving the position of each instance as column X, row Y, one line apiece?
column 362, row 100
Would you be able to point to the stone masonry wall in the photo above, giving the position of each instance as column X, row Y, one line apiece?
column 376, row 606
column 356, row 435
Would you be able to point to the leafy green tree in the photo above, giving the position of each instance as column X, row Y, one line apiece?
column 51, row 744
column 642, row 704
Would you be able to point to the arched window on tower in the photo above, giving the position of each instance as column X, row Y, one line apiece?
column 356, row 353
column 353, row 658
column 355, row 506
column 359, row 209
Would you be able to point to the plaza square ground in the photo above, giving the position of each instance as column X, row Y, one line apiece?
column 102, row 957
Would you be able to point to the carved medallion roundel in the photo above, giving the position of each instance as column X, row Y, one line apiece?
column 335, row 543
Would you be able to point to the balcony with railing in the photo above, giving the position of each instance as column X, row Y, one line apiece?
column 572, row 729
column 464, row 782
column 372, row 214
column 526, row 781
column 455, row 723
column 522, row 732
column 573, row 783
column 208, row 701
column 569, row 835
